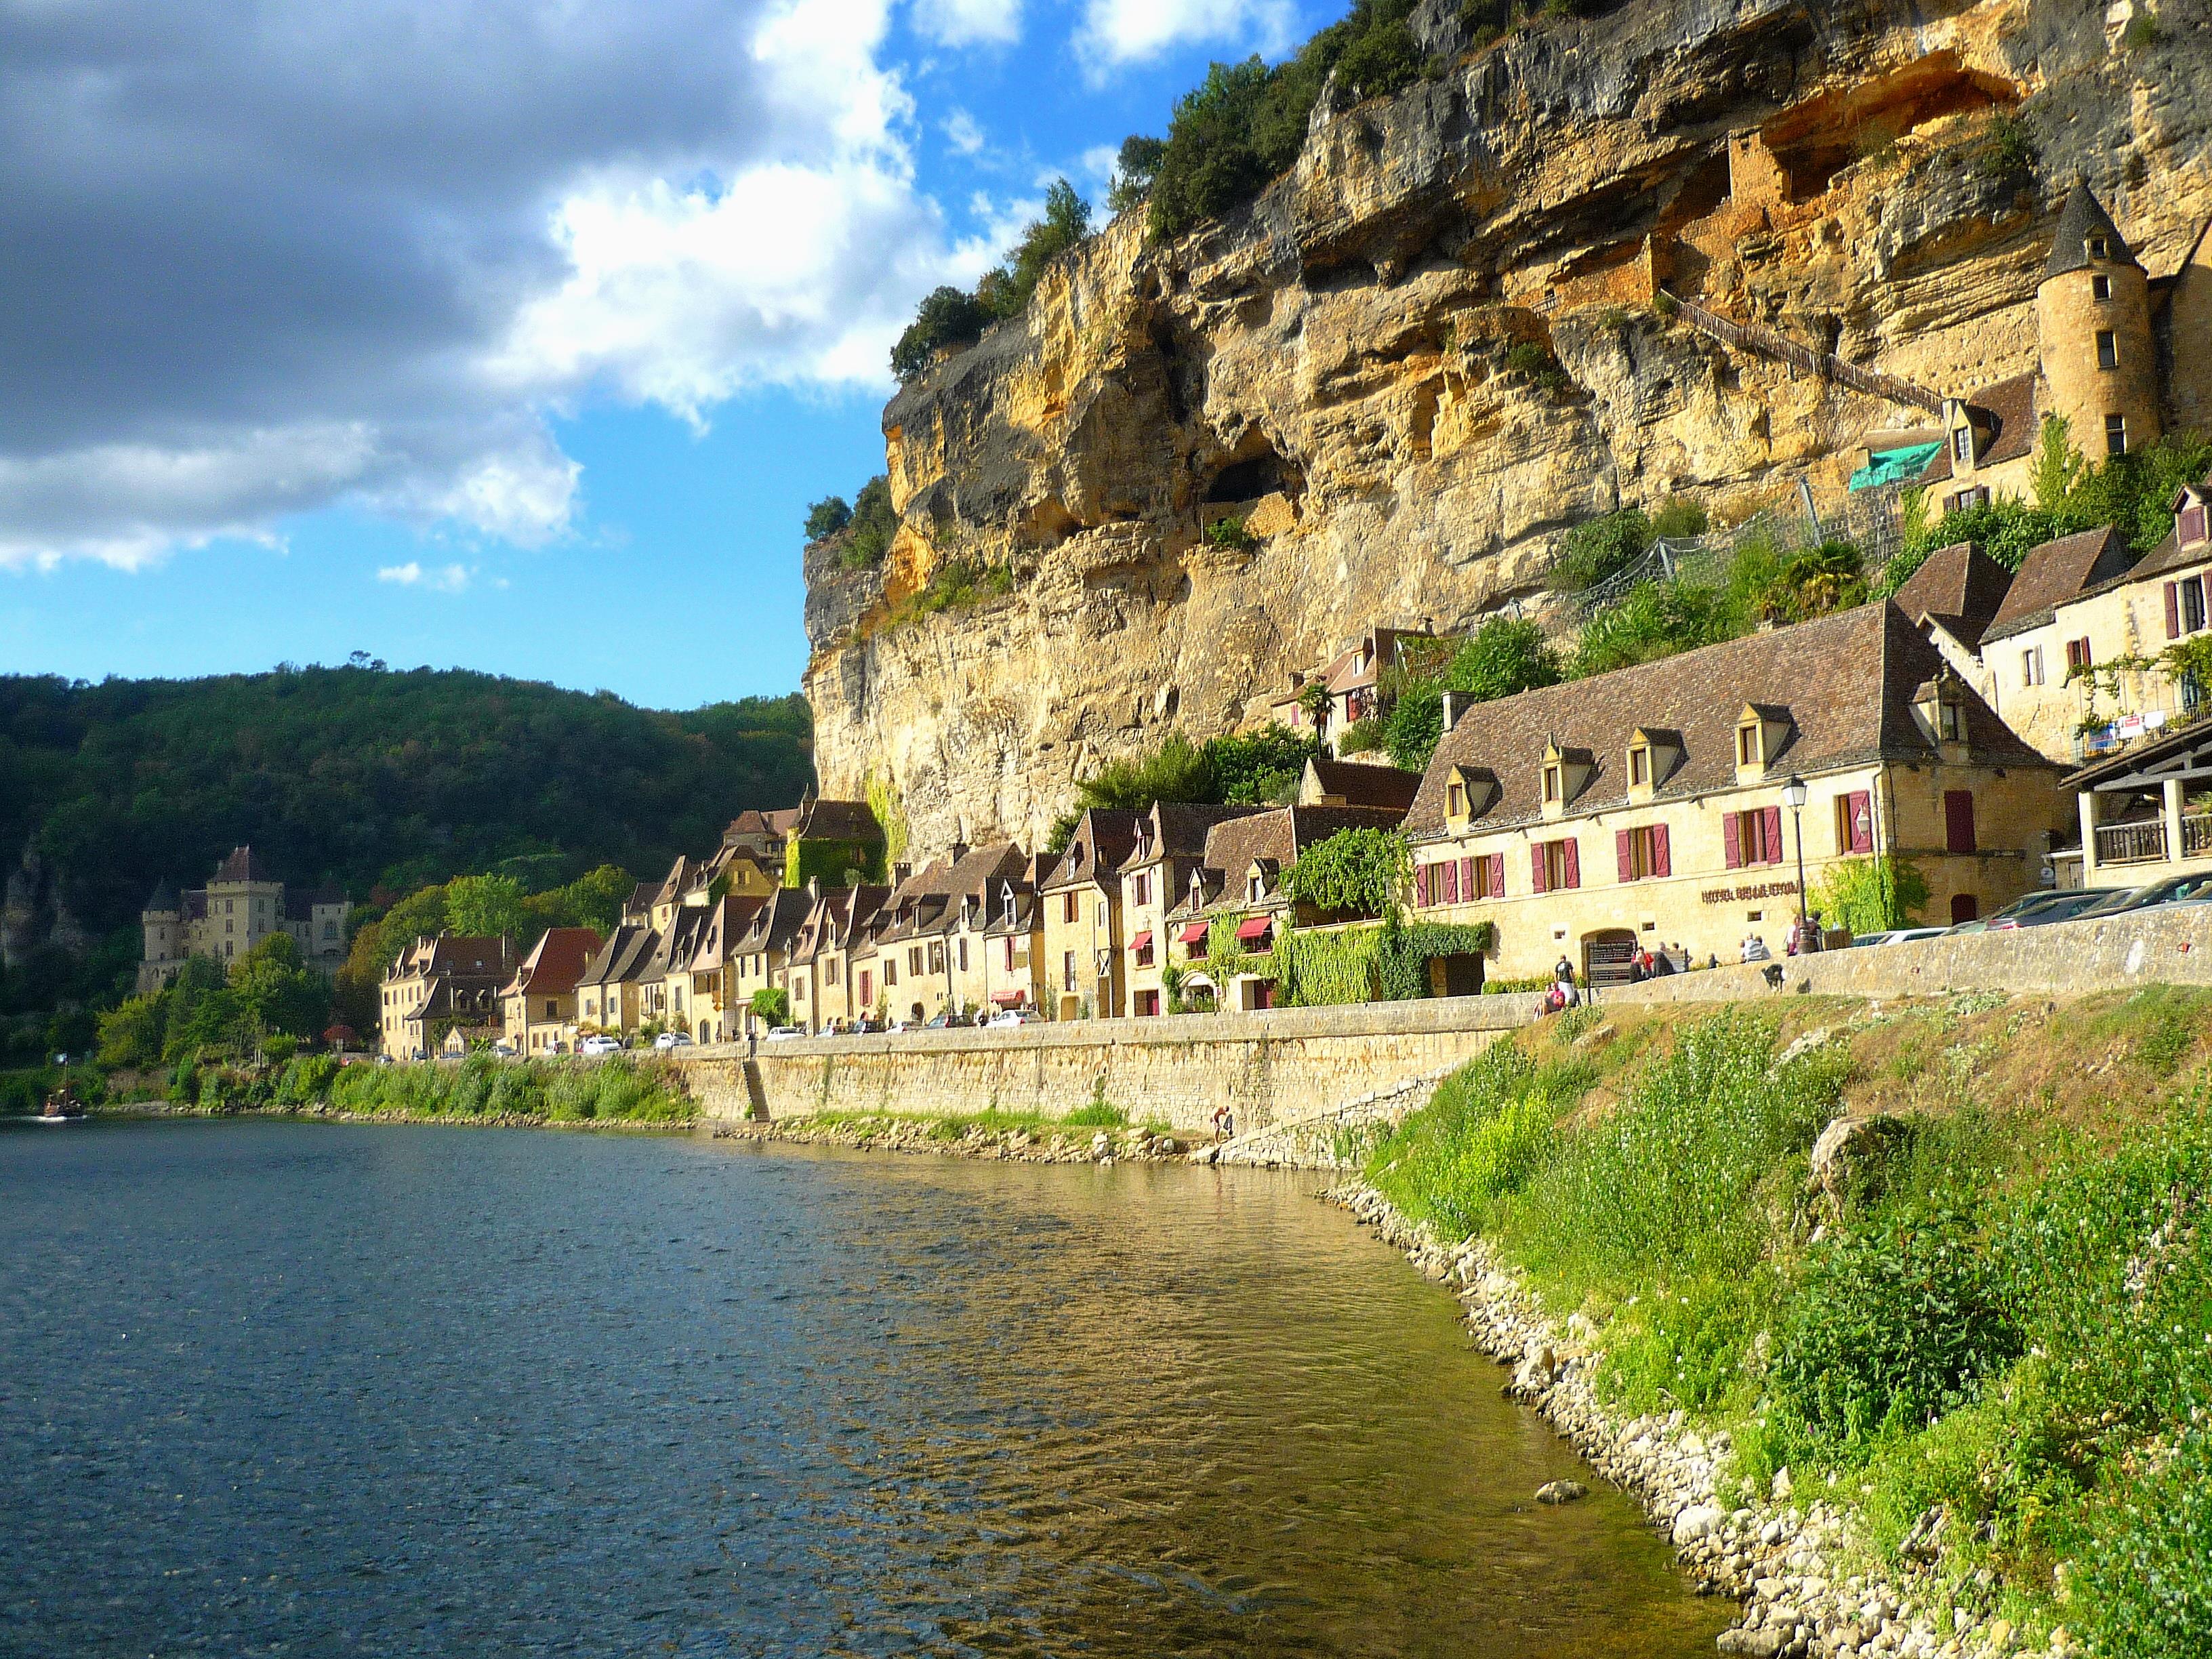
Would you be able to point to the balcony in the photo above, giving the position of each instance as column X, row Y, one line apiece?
column 2197, row 835
column 2132, row 843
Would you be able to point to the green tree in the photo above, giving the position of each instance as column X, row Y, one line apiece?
column 485, row 906
column 1601, row 547
column 868, row 536
column 946, row 317
column 1004, row 292
column 593, row 900
column 827, row 517
column 1133, row 170
column 1415, row 724
column 276, row 992
column 773, row 1003
column 130, row 1034
column 1505, row 656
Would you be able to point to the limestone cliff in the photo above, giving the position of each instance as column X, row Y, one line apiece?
column 1332, row 363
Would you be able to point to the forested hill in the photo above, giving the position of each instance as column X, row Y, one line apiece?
column 368, row 778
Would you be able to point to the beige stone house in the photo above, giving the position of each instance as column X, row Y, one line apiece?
column 610, row 992
column 537, row 1007
column 1170, row 842
column 243, row 904
column 450, row 983
column 1347, row 685
column 1650, row 808
column 761, row 960
column 1013, row 944
column 2140, row 820
column 1081, row 901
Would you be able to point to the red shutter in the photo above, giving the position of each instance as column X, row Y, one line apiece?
column 1662, row 862
column 1498, row 875
column 1574, row 870
column 1862, row 811
column 1958, row 821
column 1450, row 870
column 1421, row 883
column 1625, row 854
column 1773, row 848
column 1536, row 868
column 1732, row 839
column 2174, row 610
column 1468, row 890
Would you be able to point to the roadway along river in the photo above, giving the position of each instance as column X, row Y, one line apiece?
column 272, row 1387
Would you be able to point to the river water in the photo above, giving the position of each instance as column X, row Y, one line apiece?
column 274, row 1388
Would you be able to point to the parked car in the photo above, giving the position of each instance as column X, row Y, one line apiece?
column 601, row 1044
column 504, row 1050
column 1898, row 935
column 2046, row 908
column 941, row 1021
column 866, row 1027
column 1006, row 1016
column 785, row 1033
column 668, row 1040
column 2172, row 890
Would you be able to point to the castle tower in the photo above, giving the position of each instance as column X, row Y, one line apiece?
column 163, row 922
column 2092, row 322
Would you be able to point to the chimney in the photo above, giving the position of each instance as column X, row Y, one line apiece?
column 900, row 873
column 1456, row 703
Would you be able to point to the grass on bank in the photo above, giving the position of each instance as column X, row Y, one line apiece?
column 617, row 1089
column 2008, row 1318
column 957, row 1126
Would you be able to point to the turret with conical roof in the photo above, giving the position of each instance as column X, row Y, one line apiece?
column 2092, row 322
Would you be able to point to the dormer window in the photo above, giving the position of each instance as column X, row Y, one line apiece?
column 1747, row 744
column 1762, row 732
column 1639, row 766
column 2099, row 248
column 1555, row 783
column 2189, row 525
column 1254, row 889
column 1962, row 446
column 1456, row 800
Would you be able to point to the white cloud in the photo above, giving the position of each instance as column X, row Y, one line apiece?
column 1120, row 32
column 969, row 22
column 439, row 579
column 496, row 212
column 1097, row 168
column 962, row 133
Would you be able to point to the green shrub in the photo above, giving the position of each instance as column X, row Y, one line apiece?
column 1601, row 547
column 2142, row 33
column 1229, row 532
column 1414, row 725
column 1353, row 873
column 2146, row 1575
column 2008, row 147
column 1680, row 517
column 946, row 317
column 1504, row 656
column 827, row 517
column 1097, row 1114
column 871, row 526
column 1362, row 737
column 1871, row 895
column 1254, row 768
column 772, row 1003
column 1536, row 360
column 1654, row 620
column 1890, row 1329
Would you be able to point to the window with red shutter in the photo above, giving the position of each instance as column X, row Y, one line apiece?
column 1450, row 870
column 1773, row 848
column 1536, row 867
column 1624, row 850
column 1732, row 840
column 1421, row 885
column 1663, row 857
column 1498, row 875
column 1469, row 889
column 1574, row 870
column 2174, row 610
column 1861, row 821
column 1958, row 821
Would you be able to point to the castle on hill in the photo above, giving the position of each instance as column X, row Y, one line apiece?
column 242, row 904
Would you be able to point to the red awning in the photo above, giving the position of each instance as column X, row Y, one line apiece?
column 1252, row 927
column 1194, row 932
column 1009, row 999
column 1143, row 941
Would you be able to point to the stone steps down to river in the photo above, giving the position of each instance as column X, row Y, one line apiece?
column 1338, row 1138
column 1790, row 1560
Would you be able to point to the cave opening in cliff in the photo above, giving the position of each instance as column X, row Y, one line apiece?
column 1814, row 141
column 1248, row 479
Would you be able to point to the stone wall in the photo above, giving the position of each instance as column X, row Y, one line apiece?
column 2170, row 946
column 1267, row 1069
column 1336, row 1138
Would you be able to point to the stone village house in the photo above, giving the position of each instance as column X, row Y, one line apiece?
column 1644, row 808
column 442, row 988
column 1170, row 842
column 1081, row 901
column 537, row 1007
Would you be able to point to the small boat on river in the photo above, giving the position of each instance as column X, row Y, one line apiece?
column 62, row 1106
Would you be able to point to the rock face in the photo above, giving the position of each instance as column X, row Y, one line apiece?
column 1416, row 358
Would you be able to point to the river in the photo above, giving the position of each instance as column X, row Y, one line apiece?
column 274, row 1388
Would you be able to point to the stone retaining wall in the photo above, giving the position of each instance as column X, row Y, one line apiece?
column 2170, row 946
column 1265, row 1067
column 1338, row 1138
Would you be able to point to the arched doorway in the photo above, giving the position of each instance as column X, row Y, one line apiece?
column 1607, row 954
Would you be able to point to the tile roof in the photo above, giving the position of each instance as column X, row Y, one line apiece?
column 163, row 898
column 554, row 964
column 1357, row 785
column 1178, row 830
column 1958, row 585
column 773, row 927
column 243, row 864
column 2083, row 217
column 1847, row 682
column 1100, row 846
column 1279, row 834
column 2007, row 411
column 2058, row 571
column 622, row 957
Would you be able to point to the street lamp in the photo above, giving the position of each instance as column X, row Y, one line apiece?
column 1793, row 792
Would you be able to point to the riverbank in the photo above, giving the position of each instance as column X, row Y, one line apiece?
column 1021, row 1137
column 1897, row 1318
column 325, row 1113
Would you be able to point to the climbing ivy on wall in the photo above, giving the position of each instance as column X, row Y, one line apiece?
column 805, row 858
column 1387, row 963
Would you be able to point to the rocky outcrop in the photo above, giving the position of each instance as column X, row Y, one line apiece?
column 1415, row 359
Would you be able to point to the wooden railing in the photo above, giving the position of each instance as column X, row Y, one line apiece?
column 1753, row 337
column 2197, row 836
column 2132, row 843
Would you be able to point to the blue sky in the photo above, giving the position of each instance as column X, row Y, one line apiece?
column 522, row 343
